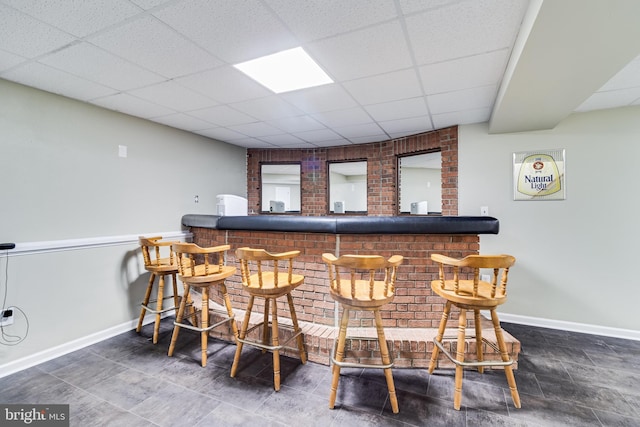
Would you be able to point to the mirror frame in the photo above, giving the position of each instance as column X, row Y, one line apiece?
column 330, row 211
column 399, row 180
column 299, row 164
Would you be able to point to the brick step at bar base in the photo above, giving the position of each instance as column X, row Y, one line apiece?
column 409, row 347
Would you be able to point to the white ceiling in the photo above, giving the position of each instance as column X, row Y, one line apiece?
column 400, row 66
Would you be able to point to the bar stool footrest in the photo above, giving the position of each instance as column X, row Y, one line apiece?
column 154, row 311
column 270, row 347
column 472, row 363
column 357, row 364
column 208, row 328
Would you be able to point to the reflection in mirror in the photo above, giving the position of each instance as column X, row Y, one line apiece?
column 348, row 187
column 280, row 185
column 419, row 184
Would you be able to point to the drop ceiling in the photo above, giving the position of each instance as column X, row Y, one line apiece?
column 400, row 67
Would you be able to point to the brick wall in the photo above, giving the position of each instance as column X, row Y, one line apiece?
column 415, row 305
column 382, row 174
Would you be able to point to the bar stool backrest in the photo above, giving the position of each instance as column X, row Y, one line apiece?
column 374, row 271
column 265, row 268
column 452, row 274
column 153, row 254
column 194, row 261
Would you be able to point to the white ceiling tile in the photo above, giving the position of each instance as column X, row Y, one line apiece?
column 412, row 6
column 296, row 124
column 356, row 131
column 412, row 125
column 94, row 64
column 222, row 115
column 368, row 139
column 467, row 99
column 252, row 143
column 77, row 17
column 173, row 96
column 183, row 121
column 331, row 142
column 153, row 45
column 367, row 52
column 51, row 80
column 628, row 77
column 23, row 35
column 410, row 107
column 348, row 117
column 385, row 88
column 282, row 140
column 268, row 108
column 319, row 135
column 234, row 31
column 610, row 99
column 221, row 134
column 225, row 85
column 9, row 60
column 464, row 73
column 320, row 98
column 128, row 104
column 464, row 29
column 257, row 129
column 315, row 19
column 444, row 120
column 149, row 4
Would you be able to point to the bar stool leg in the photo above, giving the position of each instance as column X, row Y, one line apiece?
column 441, row 328
column 265, row 325
column 275, row 341
column 508, row 371
column 227, row 303
column 176, row 328
column 479, row 351
column 384, row 352
column 156, row 326
column 243, row 333
column 176, row 297
column 339, row 356
column 145, row 302
column 462, row 323
column 205, row 322
column 296, row 328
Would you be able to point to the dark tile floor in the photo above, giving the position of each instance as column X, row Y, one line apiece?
column 564, row 379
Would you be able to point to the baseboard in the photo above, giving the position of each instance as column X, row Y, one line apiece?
column 571, row 326
column 62, row 349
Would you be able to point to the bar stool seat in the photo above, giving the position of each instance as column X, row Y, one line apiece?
column 263, row 277
column 460, row 285
column 198, row 272
column 362, row 282
column 160, row 261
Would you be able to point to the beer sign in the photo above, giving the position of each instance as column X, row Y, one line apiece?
column 539, row 175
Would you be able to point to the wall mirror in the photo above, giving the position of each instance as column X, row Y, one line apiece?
column 280, row 185
column 348, row 187
column 420, row 184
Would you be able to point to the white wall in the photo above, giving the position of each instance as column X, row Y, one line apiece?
column 63, row 180
column 575, row 257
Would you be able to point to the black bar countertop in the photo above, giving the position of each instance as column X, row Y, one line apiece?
column 349, row 224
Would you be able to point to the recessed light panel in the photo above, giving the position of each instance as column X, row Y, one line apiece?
column 285, row 71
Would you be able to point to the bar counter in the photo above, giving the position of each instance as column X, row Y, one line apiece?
column 411, row 320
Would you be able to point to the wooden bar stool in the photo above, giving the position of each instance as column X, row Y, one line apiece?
column 362, row 282
column 473, row 294
column 197, row 270
column 263, row 277
column 160, row 261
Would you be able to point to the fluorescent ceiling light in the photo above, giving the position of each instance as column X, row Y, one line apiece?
column 285, row 71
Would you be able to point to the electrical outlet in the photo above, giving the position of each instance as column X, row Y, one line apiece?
column 484, row 210
column 485, row 277
column 6, row 317
column 196, row 199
